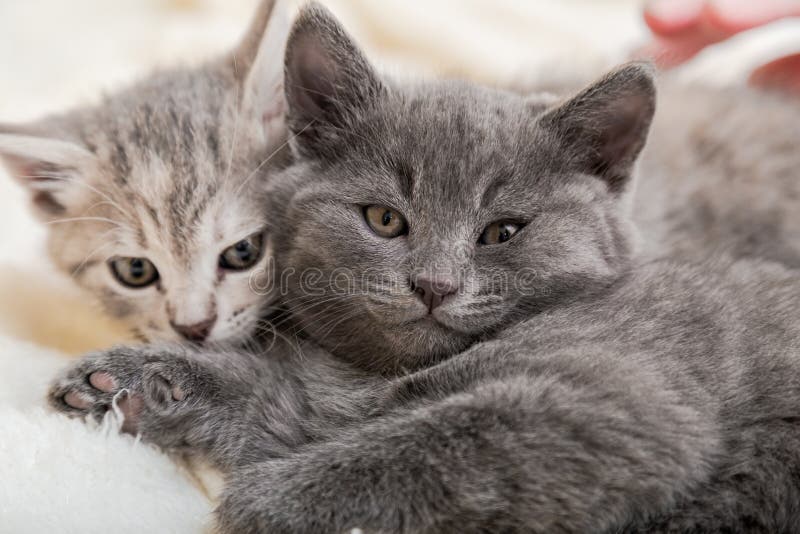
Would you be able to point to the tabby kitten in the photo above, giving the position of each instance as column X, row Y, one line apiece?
column 590, row 398
column 153, row 198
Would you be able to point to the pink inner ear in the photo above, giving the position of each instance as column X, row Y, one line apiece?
column 28, row 172
column 313, row 75
column 35, row 174
column 38, row 177
column 47, row 203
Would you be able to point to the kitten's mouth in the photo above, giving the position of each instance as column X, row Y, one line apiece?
column 430, row 320
column 413, row 317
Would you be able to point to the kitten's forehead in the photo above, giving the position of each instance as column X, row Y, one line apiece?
column 181, row 119
column 176, row 158
column 470, row 145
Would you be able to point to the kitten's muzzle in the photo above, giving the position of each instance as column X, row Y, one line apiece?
column 433, row 290
column 197, row 332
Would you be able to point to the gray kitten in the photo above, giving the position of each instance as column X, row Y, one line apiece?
column 587, row 396
column 153, row 197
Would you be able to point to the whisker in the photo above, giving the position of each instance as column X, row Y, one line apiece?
column 336, row 323
column 93, row 252
column 272, row 155
column 79, row 219
column 239, row 113
column 295, row 312
column 81, row 183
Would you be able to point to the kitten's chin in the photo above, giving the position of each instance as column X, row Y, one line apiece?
column 417, row 317
column 397, row 316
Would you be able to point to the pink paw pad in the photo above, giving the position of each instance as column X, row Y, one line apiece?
column 77, row 401
column 103, row 381
column 178, row 394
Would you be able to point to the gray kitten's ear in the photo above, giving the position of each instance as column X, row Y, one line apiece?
column 604, row 128
column 328, row 80
column 48, row 168
column 258, row 63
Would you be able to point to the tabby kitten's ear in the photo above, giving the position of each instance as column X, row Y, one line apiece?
column 604, row 128
column 328, row 81
column 258, row 64
column 48, row 167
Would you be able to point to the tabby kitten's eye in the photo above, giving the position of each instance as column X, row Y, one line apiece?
column 136, row 273
column 384, row 221
column 242, row 255
column 499, row 232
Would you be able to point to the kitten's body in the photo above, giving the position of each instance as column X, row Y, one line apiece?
column 668, row 403
column 720, row 175
column 593, row 398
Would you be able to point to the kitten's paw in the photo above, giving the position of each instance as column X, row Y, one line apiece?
column 144, row 384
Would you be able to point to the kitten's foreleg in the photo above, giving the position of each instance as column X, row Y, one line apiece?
column 753, row 490
column 557, row 452
column 184, row 399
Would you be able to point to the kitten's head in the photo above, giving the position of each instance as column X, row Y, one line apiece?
column 419, row 218
column 153, row 198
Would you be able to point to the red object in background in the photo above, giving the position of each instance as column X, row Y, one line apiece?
column 683, row 28
column 783, row 74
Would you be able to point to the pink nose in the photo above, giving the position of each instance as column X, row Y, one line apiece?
column 433, row 291
column 197, row 332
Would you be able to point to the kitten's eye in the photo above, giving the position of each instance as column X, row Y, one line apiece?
column 499, row 232
column 242, row 255
column 384, row 221
column 134, row 272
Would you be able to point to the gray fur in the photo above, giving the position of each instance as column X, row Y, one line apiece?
column 605, row 395
column 720, row 175
column 618, row 411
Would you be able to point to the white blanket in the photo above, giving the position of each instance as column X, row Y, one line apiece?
column 60, row 475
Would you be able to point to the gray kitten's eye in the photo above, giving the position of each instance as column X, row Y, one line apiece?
column 384, row 221
column 134, row 272
column 242, row 255
column 499, row 232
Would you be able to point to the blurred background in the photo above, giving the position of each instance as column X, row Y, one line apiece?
column 55, row 54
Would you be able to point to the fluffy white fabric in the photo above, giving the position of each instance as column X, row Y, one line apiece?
column 60, row 475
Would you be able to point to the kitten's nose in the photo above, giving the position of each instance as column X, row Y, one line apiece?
column 195, row 332
column 433, row 290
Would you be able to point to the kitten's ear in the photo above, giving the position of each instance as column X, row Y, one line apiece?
column 328, row 80
column 48, row 168
column 258, row 63
column 604, row 128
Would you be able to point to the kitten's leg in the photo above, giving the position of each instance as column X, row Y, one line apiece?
column 755, row 490
column 184, row 400
column 556, row 452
